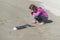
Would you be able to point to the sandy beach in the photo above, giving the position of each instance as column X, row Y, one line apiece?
column 15, row 13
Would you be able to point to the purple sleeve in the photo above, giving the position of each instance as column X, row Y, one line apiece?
column 38, row 12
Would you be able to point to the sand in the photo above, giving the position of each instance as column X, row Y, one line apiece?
column 15, row 13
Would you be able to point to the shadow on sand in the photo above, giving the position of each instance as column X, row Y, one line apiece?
column 24, row 26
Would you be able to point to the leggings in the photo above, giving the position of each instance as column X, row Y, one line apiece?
column 41, row 18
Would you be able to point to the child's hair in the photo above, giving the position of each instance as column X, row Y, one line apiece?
column 33, row 7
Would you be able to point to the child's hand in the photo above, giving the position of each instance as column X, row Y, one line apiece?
column 34, row 21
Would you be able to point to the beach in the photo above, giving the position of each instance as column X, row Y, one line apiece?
column 16, row 12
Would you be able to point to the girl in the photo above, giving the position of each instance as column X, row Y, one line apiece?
column 40, row 15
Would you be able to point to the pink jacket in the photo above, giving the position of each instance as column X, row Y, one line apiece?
column 40, row 10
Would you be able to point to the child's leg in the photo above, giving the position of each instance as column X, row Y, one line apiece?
column 38, row 19
column 45, row 19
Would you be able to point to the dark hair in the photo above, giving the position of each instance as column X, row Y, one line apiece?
column 33, row 7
